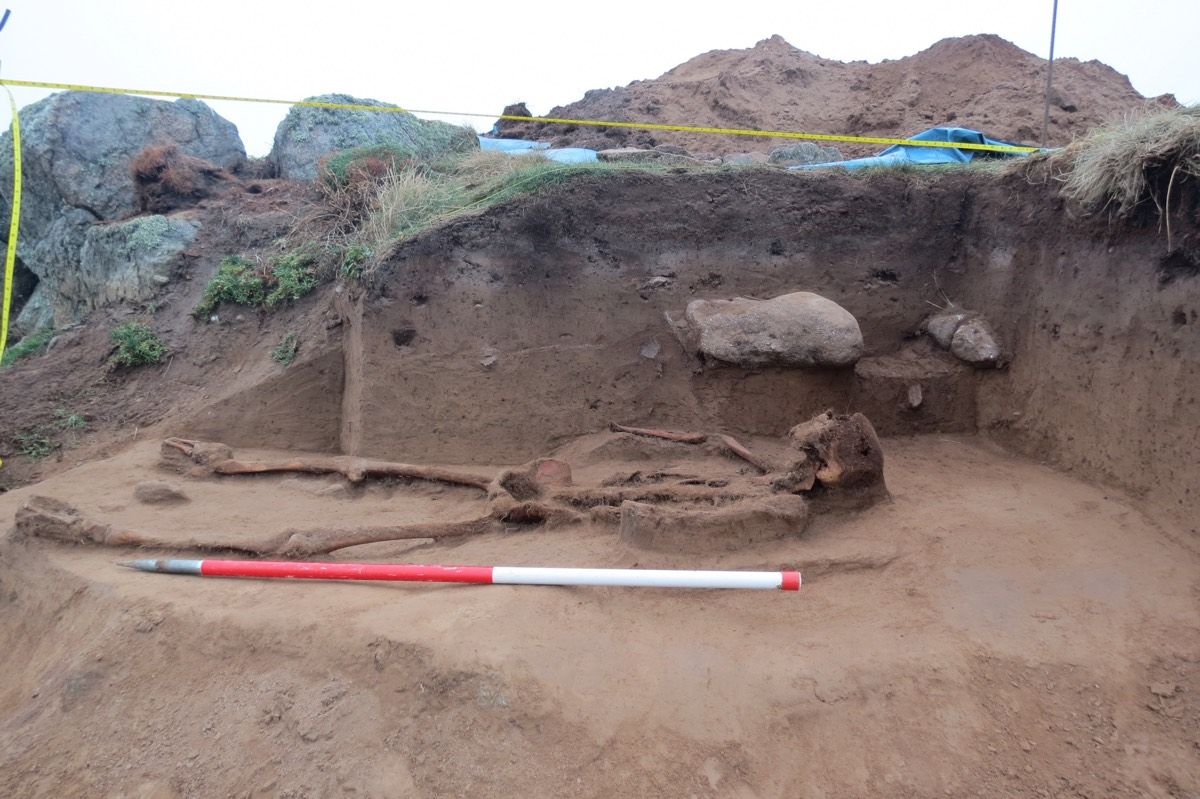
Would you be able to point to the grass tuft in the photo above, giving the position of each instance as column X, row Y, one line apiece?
column 1118, row 167
column 32, row 344
column 34, row 443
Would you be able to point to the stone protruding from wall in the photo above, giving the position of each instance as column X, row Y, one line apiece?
column 968, row 336
column 797, row 329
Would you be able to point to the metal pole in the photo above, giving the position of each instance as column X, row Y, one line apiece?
column 1049, row 75
column 487, row 575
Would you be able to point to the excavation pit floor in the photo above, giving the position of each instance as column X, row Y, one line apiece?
column 997, row 628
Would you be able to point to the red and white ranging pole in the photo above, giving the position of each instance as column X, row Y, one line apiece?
column 486, row 575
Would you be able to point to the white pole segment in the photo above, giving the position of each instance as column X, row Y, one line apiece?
column 638, row 578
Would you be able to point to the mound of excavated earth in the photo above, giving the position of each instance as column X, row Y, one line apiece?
column 982, row 82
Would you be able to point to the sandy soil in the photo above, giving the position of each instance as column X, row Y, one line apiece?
column 982, row 82
column 996, row 629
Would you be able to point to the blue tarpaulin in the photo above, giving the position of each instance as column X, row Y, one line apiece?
column 511, row 145
column 915, row 154
column 563, row 155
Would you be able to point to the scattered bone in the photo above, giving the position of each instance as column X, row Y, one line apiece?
column 218, row 458
column 319, row 542
column 190, row 457
column 691, row 529
column 735, row 446
column 532, row 479
column 694, row 494
column 669, row 435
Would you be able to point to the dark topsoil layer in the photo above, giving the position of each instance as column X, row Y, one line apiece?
column 500, row 335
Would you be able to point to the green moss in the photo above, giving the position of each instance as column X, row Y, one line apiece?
column 32, row 344
column 137, row 345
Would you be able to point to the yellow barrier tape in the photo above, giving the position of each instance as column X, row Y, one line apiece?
column 779, row 134
column 10, row 258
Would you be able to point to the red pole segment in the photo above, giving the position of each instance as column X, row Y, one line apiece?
column 347, row 571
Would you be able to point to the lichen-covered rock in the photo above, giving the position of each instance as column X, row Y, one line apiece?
column 76, row 153
column 798, row 329
column 126, row 261
column 743, row 159
column 805, row 152
column 637, row 155
column 307, row 134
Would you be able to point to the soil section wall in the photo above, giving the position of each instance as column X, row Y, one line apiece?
column 499, row 336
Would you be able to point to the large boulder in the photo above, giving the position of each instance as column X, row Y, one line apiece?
column 126, row 261
column 798, row 329
column 77, row 148
column 308, row 133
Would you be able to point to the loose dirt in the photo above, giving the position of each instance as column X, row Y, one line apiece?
column 996, row 629
column 981, row 82
column 1018, row 622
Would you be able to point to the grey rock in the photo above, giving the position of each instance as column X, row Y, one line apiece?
column 157, row 492
column 798, row 329
column 656, row 282
column 941, row 327
column 76, row 154
column 743, row 159
column 975, row 342
column 805, row 152
column 308, row 134
column 650, row 349
column 126, row 261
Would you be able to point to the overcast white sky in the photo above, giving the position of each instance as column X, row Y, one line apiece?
column 464, row 56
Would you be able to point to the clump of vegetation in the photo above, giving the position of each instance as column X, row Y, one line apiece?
column 285, row 351
column 353, row 260
column 137, row 345
column 377, row 196
column 32, row 344
column 236, row 281
column 34, row 443
column 291, row 277
column 67, row 420
column 1120, row 166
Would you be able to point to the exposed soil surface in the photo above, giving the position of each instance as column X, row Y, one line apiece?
column 996, row 629
column 1011, row 622
column 981, row 82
